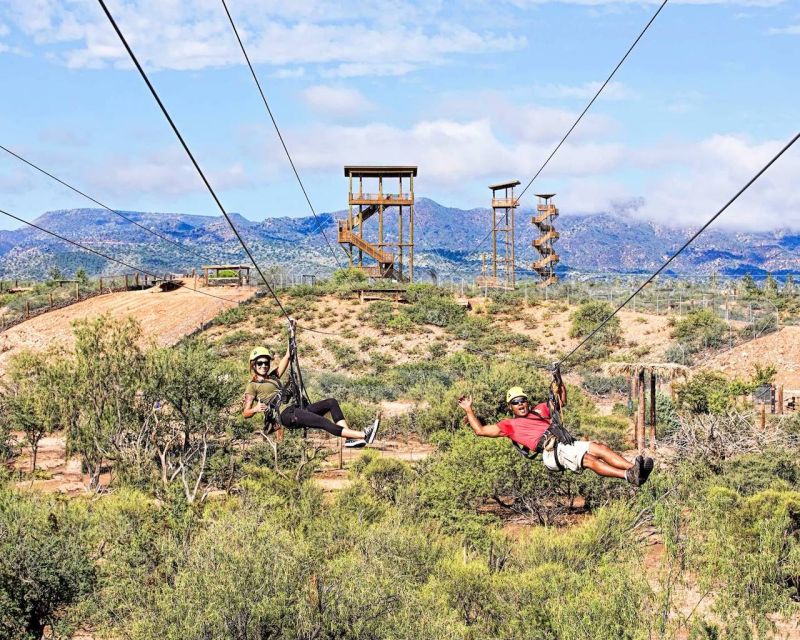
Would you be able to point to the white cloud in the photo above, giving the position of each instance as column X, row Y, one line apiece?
column 613, row 91
column 791, row 30
column 290, row 72
column 195, row 34
column 166, row 174
column 713, row 170
column 336, row 101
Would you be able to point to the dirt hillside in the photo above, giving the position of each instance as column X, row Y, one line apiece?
column 165, row 316
column 781, row 348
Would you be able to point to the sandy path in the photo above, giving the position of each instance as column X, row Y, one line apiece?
column 165, row 316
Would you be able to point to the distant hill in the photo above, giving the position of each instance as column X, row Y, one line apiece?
column 445, row 240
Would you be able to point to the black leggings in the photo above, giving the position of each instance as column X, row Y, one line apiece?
column 311, row 416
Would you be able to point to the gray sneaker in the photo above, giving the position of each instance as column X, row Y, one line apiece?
column 371, row 431
column 647, row 469
column 634, row 474
column 355, row 443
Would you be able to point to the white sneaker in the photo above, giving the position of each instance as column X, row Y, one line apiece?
column 355, row 443
column 372, row 430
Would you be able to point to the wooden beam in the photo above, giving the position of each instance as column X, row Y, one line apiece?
column 640, row 413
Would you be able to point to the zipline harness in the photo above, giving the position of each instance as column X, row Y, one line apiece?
column 292, row 393
column 556, row 433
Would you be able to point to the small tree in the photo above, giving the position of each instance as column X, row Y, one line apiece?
column 82, row 277
column 100, row 391
column 185, row 400
column 28, row 403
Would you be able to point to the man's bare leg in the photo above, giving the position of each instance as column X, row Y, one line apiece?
column 609, row 456
column 602, row 468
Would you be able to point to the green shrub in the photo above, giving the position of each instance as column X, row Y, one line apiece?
column 588, row 316
column 45, row 564
column 348, row 276
column 231, row 316
column 700, row 329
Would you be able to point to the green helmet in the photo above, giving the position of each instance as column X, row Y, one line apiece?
column 260, row 352
column 515, row 392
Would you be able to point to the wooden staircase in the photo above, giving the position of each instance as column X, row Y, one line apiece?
column 544, row 218
column 385, row 260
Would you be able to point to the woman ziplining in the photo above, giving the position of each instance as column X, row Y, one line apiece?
column 267, row 392
column 539, row 430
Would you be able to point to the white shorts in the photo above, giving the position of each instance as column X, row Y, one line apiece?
column 569, row 455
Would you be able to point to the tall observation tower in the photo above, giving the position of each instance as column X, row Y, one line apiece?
column 501, row 270
column 391, row 253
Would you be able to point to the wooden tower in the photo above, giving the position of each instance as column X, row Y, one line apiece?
column 502, row 265
column 546, row 213
column 392, row 259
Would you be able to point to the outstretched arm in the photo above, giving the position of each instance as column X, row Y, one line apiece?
column 488, row 431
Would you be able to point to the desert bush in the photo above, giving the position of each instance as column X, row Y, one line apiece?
column 709, row 392
column 231, row 316
column 745, row 551
column 588, row 316
column 611, row 430
column 46, row 564
column 699, row 329
column 348, row 277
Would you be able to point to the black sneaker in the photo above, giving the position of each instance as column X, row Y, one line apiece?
column 634, row 474
column 355, row 443
column 371, row 431
column 647, row 469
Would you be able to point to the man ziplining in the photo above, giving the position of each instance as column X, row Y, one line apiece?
column 539, row 430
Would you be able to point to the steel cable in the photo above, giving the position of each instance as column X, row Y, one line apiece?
column 114, row 211
column 786, row 147
column 280, row 136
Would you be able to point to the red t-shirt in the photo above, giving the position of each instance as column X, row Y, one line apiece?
column 527, row 430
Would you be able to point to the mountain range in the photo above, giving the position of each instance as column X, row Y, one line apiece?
column 448, row 243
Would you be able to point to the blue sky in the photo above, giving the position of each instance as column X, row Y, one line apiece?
column 471, row 92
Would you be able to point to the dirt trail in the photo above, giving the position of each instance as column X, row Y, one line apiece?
column 781, row 348
column 165, row 316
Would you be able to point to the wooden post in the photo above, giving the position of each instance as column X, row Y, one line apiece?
column 763, row 416
column 126, row 282
column 27, row 309
column 652, row 409
column 50, row 295
column 780, row 400
column 101, row 284
column 640, row 430
column 341, row 453
column 77, row 291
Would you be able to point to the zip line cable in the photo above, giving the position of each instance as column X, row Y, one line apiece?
column 596, row 95
column 580, row 117
column 114, row 211
column 280, row 136
column 686, row 244
column 191, row 156
column 103, row 255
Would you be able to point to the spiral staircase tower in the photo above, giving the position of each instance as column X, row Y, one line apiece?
column 546, row 213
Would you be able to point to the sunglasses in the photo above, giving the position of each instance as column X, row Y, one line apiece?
column 517, row 401
column 262, row 363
